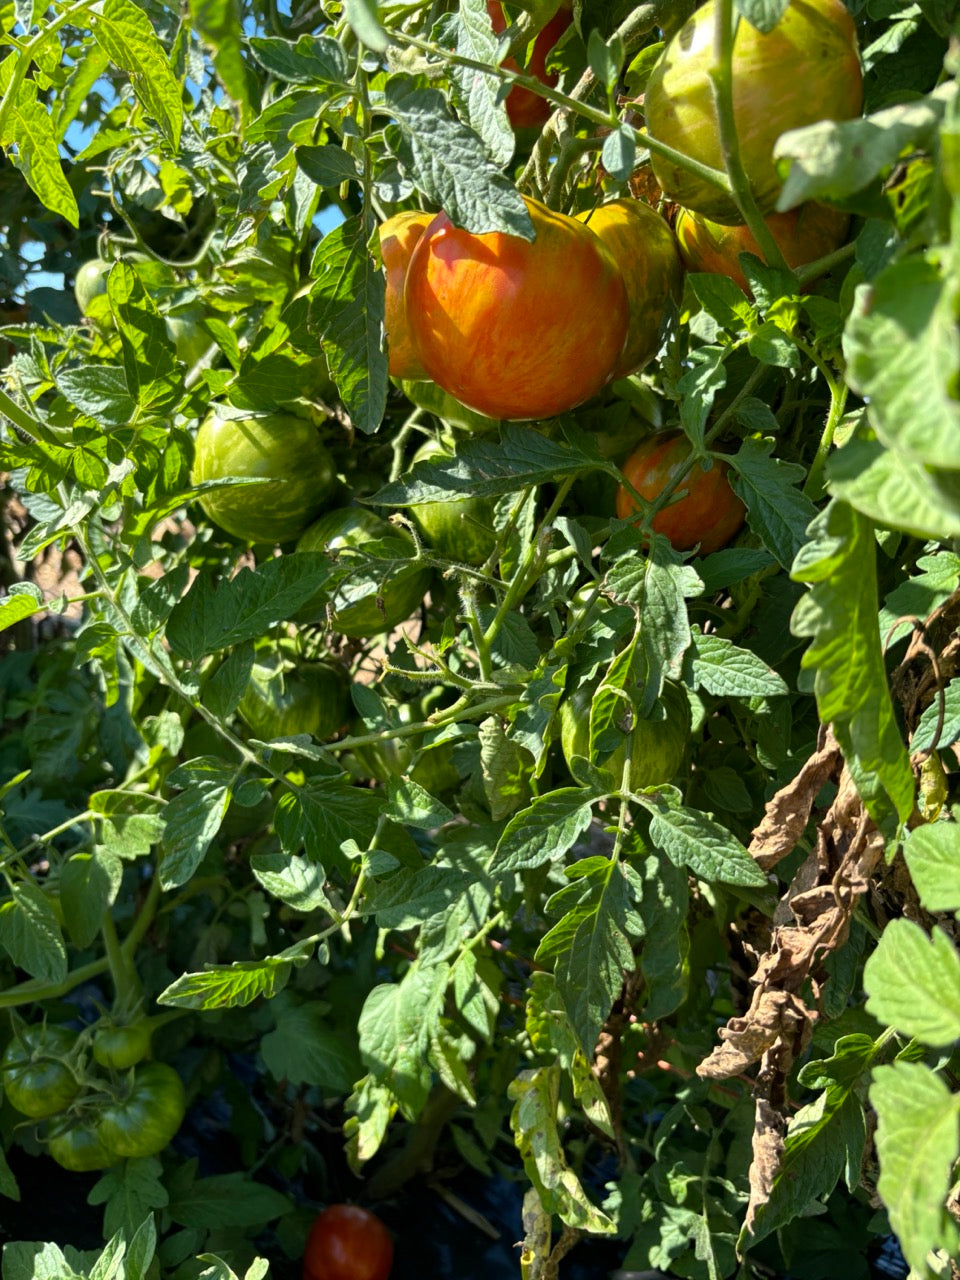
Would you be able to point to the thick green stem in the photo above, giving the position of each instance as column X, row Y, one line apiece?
column 126, row 983
column 813, row 487
column 721, row 76
column 36, row 992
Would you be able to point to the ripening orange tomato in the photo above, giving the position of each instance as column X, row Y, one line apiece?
column 804, row 234
column 516, row 328
column 398, row 239
column 526, row 109
column 645, row 250
column 709, row 515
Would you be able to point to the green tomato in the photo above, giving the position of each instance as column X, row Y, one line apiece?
column 284, row 450
column 79, row 1147
column 356, row 605
column 189, row 337
column 90, row 282
column 434, row 771
column 36, row 1078
column 120, row 1047
column 657, row 747
column 146, row 1114
column 461, row 530
column 284, row 698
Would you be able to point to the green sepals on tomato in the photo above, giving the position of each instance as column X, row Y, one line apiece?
column 77, row 1144
column 36, row 1078
column 708, row 515
column 374, row 594
column 286, row 696
column 462, row 529
column 347, row 1242
column 805, row 70
column 657, row 743
column 119, row 1046
column 147, row 1111
column 284, row 451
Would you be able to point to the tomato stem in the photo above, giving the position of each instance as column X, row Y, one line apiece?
column 721, row 77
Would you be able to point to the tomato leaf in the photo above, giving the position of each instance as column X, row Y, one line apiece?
column 777, row 511
column 124, row 31
column 487, row 469
column 912, row 982
column 762, row 14
column 448, row 163
column 544, row 831
column 722, row 668
column 845, row 654
column 478, row 97
column 932, row 853
column 893, row 489
column 691, row 839
column 228, row 986
column 917, row 1140
column 215, row 615
column 347, row 309
column 405, row 899
column 31, row 935
column 306, row 1047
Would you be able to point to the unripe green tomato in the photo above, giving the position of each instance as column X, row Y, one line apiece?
column 119, row 1047
column 148, row 1111
column 657, row 747
column 90, row 282
column 461, row 530
column 284, row 450
column 79, row 1147
column 434, row 771
column 805, row 70
column 346, row 532
column 284, row 698
column 189, row 338
column 36, row 1079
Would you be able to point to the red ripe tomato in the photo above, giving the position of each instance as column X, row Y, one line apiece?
column 804, row 234
column 398, row 239
column 645, row 250
column 516, row 328
column 806, row 69
column 710, row 514
column 347, row 1243
column 526, row 109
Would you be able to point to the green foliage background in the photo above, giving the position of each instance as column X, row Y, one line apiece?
column 741, row 990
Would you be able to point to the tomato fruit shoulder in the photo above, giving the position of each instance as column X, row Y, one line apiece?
column 347, row 1242
column 146, row 1113
column 398, row 239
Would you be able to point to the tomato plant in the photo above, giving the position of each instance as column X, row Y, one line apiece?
column 549, row 834
column 283, row 452
column 708, row 514
column 347, row 1242
column 805, row 70
column 468, row 297
column 36, row 1078
column 804, row 234
column 90, row 282
column 147, row 1111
